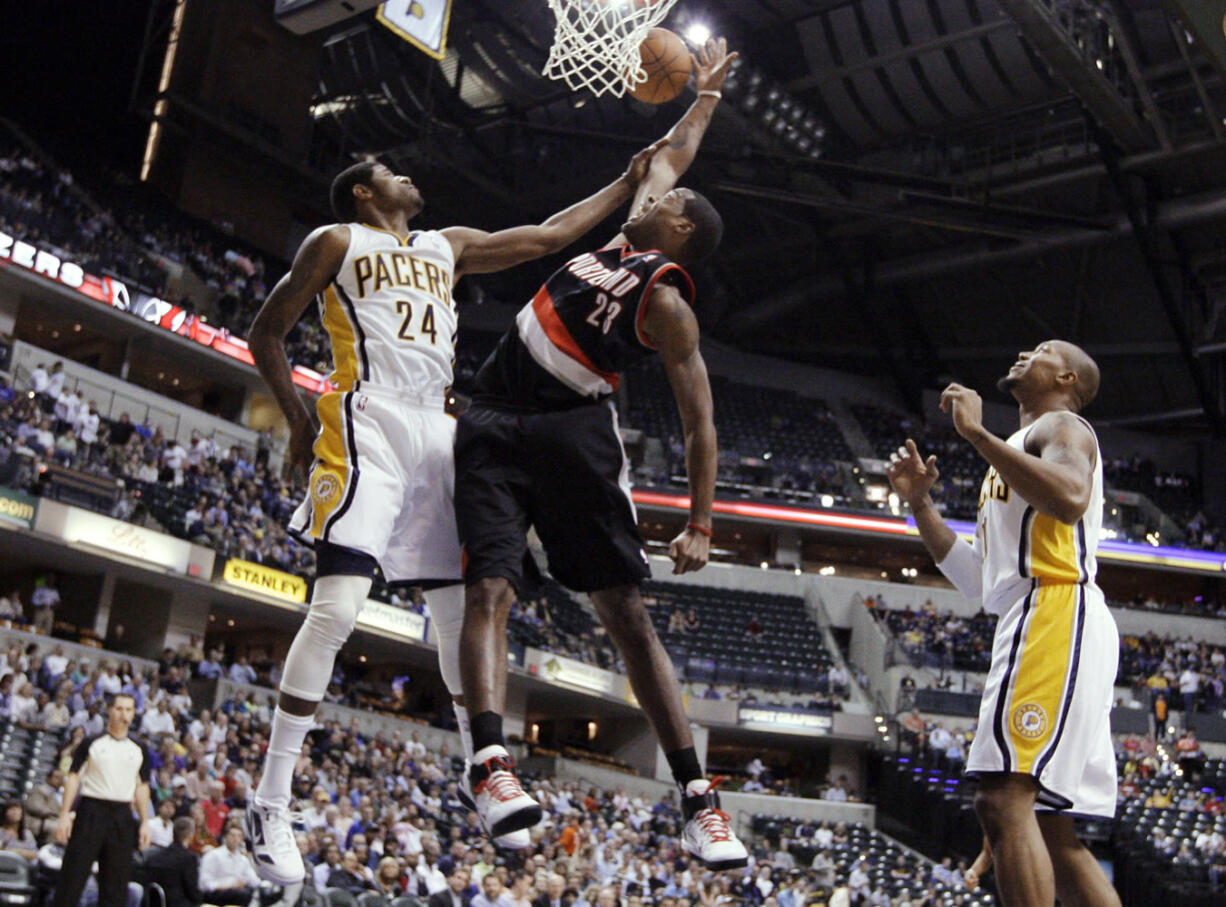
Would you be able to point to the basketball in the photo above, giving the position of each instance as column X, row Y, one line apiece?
column 667, row 62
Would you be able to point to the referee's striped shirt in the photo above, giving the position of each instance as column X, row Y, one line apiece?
column 111, row 768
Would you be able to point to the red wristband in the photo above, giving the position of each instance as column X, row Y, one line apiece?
column 701, row 529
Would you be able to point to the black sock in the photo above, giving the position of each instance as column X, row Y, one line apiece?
column 684, row 765
column 487, row 730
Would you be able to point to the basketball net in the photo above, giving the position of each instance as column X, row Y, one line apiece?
column 596, row 42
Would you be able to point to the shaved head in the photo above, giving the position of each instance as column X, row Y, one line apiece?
column 1085, row 369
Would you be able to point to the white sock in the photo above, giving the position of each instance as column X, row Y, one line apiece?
column 284, row 748
column 466, row 731
column 489, row 752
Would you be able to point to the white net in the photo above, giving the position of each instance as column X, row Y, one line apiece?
column 596, row 42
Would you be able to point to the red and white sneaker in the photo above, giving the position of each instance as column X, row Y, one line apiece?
column 708, row 833
column 501, row 802
column 516, row 840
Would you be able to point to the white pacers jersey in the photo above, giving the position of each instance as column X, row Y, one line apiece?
column 389, row 312
column 1018, row 544
column 384, row 476
column 1046, row 707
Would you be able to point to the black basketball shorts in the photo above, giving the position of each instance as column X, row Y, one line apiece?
column 565, row 474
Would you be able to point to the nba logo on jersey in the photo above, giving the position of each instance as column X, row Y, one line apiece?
column 361, row 404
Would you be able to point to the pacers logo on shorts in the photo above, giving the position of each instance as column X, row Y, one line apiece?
column 325, row 487
column 1030, row 720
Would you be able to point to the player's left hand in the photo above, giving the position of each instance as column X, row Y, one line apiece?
column 689, row 551
column 966, row 406
column 144, row 838
column 641, row 163
column 711, row 64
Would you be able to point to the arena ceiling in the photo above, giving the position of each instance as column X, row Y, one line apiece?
column 991, row 173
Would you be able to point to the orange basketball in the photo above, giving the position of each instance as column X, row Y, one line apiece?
column 667, row 62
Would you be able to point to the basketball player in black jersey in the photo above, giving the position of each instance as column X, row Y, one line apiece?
column 540, row 448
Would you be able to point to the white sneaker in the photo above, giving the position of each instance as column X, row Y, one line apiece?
column 501, row 802
column 708, row 833
column 274, row 849
column 516, row 840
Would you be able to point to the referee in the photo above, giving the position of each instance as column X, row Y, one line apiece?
column 111, row 772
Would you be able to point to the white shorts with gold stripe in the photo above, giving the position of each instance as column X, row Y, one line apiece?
column 384, row 481
column 1046, row 706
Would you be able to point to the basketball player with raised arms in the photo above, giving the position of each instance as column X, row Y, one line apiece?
column 380, row 453
column 1043, row 751
column 540, row 448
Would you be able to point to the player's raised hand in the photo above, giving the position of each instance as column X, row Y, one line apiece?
column 301, row 452
column 689, row 551
column 711, row 64
column 966, row 406
column 641, row 163
column 910, row 475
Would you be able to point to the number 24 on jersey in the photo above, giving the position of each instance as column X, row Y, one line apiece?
column 405, row 307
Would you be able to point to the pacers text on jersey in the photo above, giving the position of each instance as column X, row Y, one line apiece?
column 378, row 270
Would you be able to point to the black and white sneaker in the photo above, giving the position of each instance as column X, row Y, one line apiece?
column 274, row 848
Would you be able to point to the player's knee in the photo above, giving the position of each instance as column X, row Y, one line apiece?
column 488, row 598
column 446, row 607
column 334, row 609
column 623, row 614
column 997, row 805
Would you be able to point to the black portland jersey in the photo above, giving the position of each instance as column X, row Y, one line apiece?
column 580, row 331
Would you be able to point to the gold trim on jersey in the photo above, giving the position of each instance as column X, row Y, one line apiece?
column 330, row 475
column 1052, row 550
column 1037, row 701
column 342, row 333
column 405, row 240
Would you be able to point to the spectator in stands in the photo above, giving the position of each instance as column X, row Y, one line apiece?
column 55, row 381
column 323, row 867
column 216, row 810
column 555, row 894
column 175, row 868
column 42, row 804
column 348, row 875
column 242, row 672
column 158, row 721
column 45, row 600
column 1160, row 714
column 161, row 826
column 492, row 893
column 455, row 894
column 226, row 874
column 1189, row 686
column 15, row 837
column 1190, row 755
column 39, row 379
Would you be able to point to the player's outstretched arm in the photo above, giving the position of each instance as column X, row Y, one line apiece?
column 912, row 478
column 479, row 252
column 672, row 327
column 1054, row 474
column 711, row 65
column 315, row 266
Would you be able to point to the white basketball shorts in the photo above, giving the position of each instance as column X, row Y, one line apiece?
column 383, row 482
column 1046, row 708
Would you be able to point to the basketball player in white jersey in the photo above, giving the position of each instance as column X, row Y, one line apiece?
column 1043, row 750
column 379, row 455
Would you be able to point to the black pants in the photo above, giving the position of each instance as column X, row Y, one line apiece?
column 238, row 897
column 104, row 830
